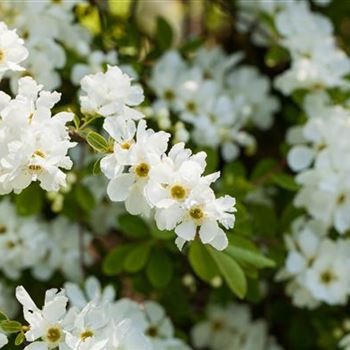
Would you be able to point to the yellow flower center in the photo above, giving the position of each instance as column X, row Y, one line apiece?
column 40, row 153
column 35, row 168
column 217, row 325
column 327, row 277
column 125, row 145
column 178, row 192
column 152, row 331
column 196, row 213
column 85, row 335
column 53, row 334
column 191, row 106
column 142, row 170
column 2, row 55
column 169, row 95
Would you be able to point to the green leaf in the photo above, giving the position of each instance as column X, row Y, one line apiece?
column 113, row 263
column 85, row 198
column 264, row 219
column 161, row 234
column 133, row 226
column 164, row 34
column 231, row 271
column 8, row 326
column 76, row 121
column 19, row 339
column 96, row 169
column 285, row 181
column 97, row 142
column 243, row 223
column 30, row 200
column 263, row 168
column 137, row 257
column 202, row 263
column 276, row 55
column 3, row 316
column 212, row 160
column 250, row 257
column 159, row 269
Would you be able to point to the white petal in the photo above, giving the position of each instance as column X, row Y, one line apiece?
column 186, row 230
column 118, row 189
column 300, row 157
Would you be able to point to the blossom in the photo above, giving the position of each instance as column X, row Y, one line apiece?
column 12, row 50
column 110, row 94
column 62, row 251
column 3, row 340
column 46, row 325
column 34, row 143
column 141, row 157
column 231, row 328
column 315, row 266
column 19, row 241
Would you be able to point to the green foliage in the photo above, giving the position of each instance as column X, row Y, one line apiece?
column 97, row 142
column 30, row 201
column 159, row 269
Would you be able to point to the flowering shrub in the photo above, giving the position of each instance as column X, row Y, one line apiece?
column 174, row 177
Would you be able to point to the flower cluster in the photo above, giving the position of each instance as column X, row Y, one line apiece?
column 214, row 96
column 319, row 154
column 44, row 248
column 94, row 320
column 47, row 47
column 316, row 60
column 172, row 185
column 33, row 143
column 316, row 266
column 232, row 328
column 12, row 50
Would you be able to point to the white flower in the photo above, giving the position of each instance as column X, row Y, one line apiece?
column 92, row 292
column 63, row 251
column 95, row 62
column 231, row 328
column 33, row 144
column 12, row 50
column 110, row 94
column 3, row 340
column 89, row 328
column 46, row 325
column 141, row 157
column 316, row 266
column 160, row 330
column 8, row 303
column 202, row 215
column 19, row 241
column 328, row 279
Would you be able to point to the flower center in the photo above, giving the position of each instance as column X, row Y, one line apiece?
column 142, row 170
column 40, row 153
column 53, row 334
column 341, row 199
column 327, row 277
column 86, row 334
column 35, row 168
column 2, row 229
column 152, row 331
column 2, row 55
column 196, row 213
column 169, row 95
column 178, row 192
column 217, row 325
column 125, row 145
column 191, row 106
